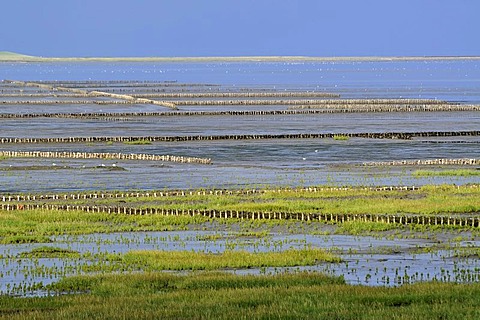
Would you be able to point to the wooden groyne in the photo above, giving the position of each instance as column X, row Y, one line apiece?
column 188, row 95
column 41, row 95
column 127, row 99
column 103, row 155
column 113, row 115
column 70, row 102
column 252, row 102
column 425, row 162
column 375, row 101
column 123, row 83
column 304, row 105
column 367, row 135
column 360, row 108
column 281, row 94
column 203, row 192
column 452, row 142
column 88, row 93
column 441, row 220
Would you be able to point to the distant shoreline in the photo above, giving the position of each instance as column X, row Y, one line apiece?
column 12, row 57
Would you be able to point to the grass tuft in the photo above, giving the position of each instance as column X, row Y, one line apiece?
column 340, row 137
column 453, row 173
column 188, row 260
column 138, row 142
column 208, row 295
column 50, row 252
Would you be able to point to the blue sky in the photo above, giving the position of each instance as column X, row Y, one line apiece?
column 82, row 28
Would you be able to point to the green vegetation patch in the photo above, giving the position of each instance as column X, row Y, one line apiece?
column 427, row 200
column 50, row 252
column 208, row 295
column 35, row 226
column 152, row 282
column 340, row 137
column 19, row 239
column 138, row 142
column 188, row 260
column 27, row 226
column 453, row 173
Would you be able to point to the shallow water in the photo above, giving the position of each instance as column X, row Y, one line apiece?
column 246, row 163
column 367, row 260
column 449, row 80
column 244, row 125
column 238, row 164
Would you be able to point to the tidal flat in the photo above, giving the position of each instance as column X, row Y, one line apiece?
column 335, row 188
column 419, row 242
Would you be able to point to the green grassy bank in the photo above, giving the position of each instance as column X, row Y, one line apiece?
column 227, row 296
column 426, row 200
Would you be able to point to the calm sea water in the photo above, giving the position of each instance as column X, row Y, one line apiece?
column 241, row 164
column 457, row 80
column 248, row 163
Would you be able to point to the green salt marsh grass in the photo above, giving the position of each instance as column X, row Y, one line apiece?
column 426, row 200
column 228, row 296
column 137, row 142
column 188, row 260
column 441, row 173
column 74, row 262
column 49, row 252
column 27, row 226
column 340, row 137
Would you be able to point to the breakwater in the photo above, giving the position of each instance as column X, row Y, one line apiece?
column 52, row 88
column 97, row 102
column 184, row 95
column 367, row 135
column 202, row 192
column 359, row 108
column 441, row 220
column 67, row 102
column 126, row 99
column 120, row 83
column 462, row 162
column 252, row 102
column 90, row 115
column 267, row 94
column 377, row 101
column 103, row 155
